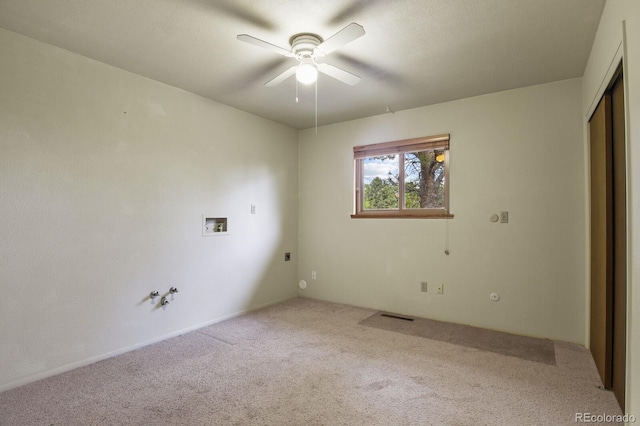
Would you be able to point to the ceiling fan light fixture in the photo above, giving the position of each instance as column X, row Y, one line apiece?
column 306, row 73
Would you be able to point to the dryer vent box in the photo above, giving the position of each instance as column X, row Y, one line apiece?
column 214, row 226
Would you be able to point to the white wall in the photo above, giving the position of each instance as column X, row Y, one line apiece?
column 104, row 177
column 520, row 151
column 619, row 36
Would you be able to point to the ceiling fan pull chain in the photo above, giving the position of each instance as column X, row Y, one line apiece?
column 296, row 90
column 316, row 106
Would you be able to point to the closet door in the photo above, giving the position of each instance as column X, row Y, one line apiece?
column 609, row 239
column 601, row 336
column 619, row 350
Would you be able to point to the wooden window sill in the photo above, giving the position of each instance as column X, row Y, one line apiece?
column 401, row 215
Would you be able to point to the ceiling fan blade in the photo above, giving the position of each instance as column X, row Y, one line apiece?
column 261, row 43
column 342, row 37
column 281, row 77
column 352, row 8
column 243, row 13
column 339, row 74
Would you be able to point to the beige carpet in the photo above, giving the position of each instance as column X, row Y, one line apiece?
column 306, row 362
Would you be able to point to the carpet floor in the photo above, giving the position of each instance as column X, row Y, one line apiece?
column 308, row 362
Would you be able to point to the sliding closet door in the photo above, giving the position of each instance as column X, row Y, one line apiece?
column 601, row 337
column 619, row 359
column 609, row 239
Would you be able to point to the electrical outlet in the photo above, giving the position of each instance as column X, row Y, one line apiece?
column 287, row 256
column 314, row 275
column 253, row 209
column 504, row 217
column 423, row 286
column 440, row 289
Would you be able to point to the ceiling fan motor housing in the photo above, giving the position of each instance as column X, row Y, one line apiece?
column 303, row 45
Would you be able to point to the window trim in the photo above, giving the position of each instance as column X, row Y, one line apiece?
column 400, row 147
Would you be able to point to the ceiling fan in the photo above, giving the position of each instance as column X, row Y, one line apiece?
column 306, row 48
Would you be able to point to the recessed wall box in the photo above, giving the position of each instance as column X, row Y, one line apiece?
column 214, row 226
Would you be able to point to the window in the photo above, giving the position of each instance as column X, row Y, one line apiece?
column 407, row 178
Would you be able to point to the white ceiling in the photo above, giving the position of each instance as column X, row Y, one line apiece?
column 414, row 52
